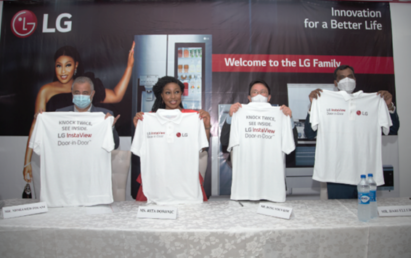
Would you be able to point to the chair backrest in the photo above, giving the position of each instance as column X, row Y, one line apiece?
column 120, row 164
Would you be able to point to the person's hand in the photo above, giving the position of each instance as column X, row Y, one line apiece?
column 315, row 94
column 205, row 116
column 130, row 61
column 138, row 116
column 387, row 97
column 28, row 173
column 115, row 119
column 234, row 108
column 40, row 112
column 286, row 110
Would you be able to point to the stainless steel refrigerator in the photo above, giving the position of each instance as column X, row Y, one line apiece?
column 186, row 57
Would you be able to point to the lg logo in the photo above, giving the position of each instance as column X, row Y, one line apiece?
column 61, row 29
column 24, row 23
column 182, row 135
column 364, row 113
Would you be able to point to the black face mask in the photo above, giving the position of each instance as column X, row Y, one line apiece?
column 27, row 192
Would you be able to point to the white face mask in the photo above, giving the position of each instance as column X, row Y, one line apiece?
column 347, row 84
column 259, row 98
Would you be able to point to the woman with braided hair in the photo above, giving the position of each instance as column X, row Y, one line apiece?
column 168, row 91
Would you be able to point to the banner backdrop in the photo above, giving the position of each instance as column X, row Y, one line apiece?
column 284, row 43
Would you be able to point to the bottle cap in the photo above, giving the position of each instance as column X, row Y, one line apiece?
column 362, row 176
column 370, row 175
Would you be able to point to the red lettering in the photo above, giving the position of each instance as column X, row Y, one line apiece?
column 263, row 130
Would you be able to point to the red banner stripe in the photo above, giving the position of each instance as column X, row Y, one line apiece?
column 300, row 63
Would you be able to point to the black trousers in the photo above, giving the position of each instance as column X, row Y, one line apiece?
column 342, row 191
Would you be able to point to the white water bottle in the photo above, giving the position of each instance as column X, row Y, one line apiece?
column 373, row 196
column 363, row 200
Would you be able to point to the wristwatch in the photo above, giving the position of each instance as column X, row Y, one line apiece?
column 392, row 108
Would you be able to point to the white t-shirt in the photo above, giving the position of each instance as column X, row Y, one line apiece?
column 260, row 135
column 168, row 143
column 75, row 153
column 349, row 136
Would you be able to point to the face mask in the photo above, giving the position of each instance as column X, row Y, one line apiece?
column 347, row 84
column 81, row 101
column 259, row 98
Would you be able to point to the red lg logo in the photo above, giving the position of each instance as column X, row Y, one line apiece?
column 178, row 134
column 23, row 23
column 358, row 112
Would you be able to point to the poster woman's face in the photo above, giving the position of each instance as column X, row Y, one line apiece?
column 65, row 67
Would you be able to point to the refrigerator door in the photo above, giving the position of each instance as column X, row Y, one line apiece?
column 189, row 60
column 190, row 65
column 150, row 55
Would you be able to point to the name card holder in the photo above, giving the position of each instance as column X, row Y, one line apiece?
column 24, row 210
column 157, row 212
column 274, row 210
column 394, row 211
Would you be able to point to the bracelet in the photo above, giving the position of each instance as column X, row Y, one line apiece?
column 207, row 128
column 27, row 164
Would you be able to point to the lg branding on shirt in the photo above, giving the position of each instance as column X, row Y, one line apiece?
column 260, row 135
column 75, row 151
column 168, row 143
column 349, row 136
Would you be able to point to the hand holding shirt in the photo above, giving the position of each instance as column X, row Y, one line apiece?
column 75, row 152
column 260, row 136
column 168, row 143
column 349, row 136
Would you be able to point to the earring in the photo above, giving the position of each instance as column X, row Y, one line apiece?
column 75, row 72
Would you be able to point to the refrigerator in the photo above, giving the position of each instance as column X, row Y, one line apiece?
column 186, row 57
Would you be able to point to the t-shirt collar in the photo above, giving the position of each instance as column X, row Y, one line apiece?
column 259, row 104
column 348, row 96
column 167, row 115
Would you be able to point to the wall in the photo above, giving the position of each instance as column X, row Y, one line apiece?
column 401, row 34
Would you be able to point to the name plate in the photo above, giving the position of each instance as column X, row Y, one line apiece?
column 24, row 210
column 390, row 211
column 157, row 212
column 274, row 210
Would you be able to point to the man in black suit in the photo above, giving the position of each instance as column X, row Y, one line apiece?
column 83, row 93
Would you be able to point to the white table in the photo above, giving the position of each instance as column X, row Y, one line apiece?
column 219, row 228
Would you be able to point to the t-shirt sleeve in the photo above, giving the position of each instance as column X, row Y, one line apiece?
column 234, row 132
column 138, row 141
column 36, row 136
column 287, row 137
column 315, row 115
column 384, row 118
column 108, row 140
column 202, row 137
